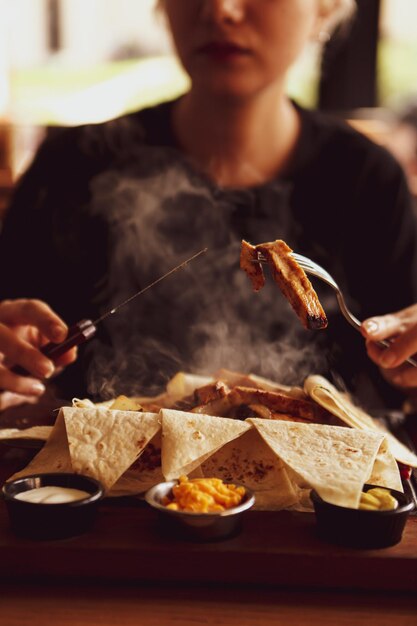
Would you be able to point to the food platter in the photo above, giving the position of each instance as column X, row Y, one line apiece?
column 127, row 542
column 278, row 441
column 275, row 549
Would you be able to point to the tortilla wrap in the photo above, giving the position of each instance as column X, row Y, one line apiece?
column 338, row 403
column 145, row 472
column 96, row 442
column 188, row 439
column 54, row 456
column 248, row 460
column 333, row 460
column 384, row 474
column 385, row 470
column 103, row 443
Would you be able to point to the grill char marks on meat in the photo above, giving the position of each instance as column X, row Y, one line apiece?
column 290, row 278
column 294, row 284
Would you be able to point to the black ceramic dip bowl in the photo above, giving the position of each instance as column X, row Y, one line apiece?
column 359, row 528
column 51, row 519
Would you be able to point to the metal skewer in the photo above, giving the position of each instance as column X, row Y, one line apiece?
column 85, row 329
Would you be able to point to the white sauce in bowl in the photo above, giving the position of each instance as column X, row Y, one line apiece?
column 52, row 495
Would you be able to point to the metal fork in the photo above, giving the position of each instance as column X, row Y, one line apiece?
column 315, row 269
column 310, row 267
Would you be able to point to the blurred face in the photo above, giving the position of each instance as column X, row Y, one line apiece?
column 239, row 47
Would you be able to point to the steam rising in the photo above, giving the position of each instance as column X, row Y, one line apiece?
column 159, row 211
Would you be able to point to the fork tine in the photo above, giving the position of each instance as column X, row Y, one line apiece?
column 300, row 257
column 260, row 259
column 305, row 264
column 304, row 261
column 301, row 260
column 319, row 272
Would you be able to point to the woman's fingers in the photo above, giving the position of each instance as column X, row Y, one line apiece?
column 9, row 399
column 400, row 328
column 22, row 385
column 19, row 352
column 401, row 375
column 383, row 326
column 33, row 313
column 24, row 326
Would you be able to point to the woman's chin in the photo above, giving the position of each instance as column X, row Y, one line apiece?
column 228, row 88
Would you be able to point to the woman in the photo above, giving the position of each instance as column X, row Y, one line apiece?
column 108, row 208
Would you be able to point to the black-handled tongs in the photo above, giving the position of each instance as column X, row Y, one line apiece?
column 85, row 329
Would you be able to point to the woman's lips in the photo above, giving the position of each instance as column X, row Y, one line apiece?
column 223, row 50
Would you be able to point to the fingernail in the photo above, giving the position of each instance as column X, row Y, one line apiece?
column 388, row 360
column 58, row 333
column 371, row 327
column 37, row 388
column 46, row 371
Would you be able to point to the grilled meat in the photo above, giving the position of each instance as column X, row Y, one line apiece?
column 290, row 278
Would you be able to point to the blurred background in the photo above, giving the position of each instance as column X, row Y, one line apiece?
column 69, row 62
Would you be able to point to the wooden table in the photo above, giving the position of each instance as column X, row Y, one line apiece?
column 114, row 605
column 280, row 549
column 127, row 570
column 277, row 571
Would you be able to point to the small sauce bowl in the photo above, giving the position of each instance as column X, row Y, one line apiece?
column 360, row 528
column 36, row 520
column 198, row 526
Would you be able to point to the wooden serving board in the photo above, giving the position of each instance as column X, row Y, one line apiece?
column 274, row 548
column 278, row 549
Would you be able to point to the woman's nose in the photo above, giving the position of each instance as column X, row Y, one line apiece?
column 224, row 11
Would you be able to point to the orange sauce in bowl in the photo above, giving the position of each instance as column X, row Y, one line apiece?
column 203, row 495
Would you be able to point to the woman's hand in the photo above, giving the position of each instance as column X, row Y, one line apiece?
column 401, row 329
column 25, row 326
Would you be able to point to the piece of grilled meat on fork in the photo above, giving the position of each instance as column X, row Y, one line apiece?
column 288, row 275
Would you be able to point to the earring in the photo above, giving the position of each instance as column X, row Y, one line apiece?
column 323, row 36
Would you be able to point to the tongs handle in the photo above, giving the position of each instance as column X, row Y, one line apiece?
column 78, row 334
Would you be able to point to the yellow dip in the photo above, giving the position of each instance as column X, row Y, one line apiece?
column 203, row 495
column 52, row 495
column 377, row 499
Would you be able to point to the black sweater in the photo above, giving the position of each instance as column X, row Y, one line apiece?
column 105, row 209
